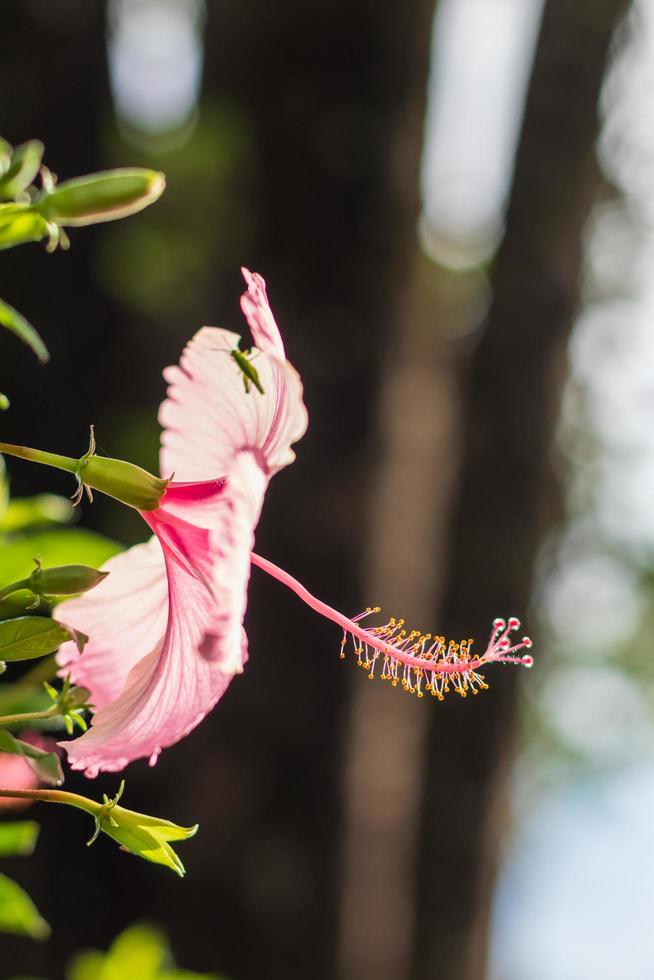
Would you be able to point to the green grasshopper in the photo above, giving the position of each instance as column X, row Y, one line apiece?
column 242, row 359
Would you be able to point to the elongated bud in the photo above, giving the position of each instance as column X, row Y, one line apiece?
column 64, row 579
column 122, row 480
column 101, row 197
column 117, row 478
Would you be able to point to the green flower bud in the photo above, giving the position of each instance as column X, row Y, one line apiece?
column 64, row 579
column 125, row 481
column 139, row 834
column 101, row 197
column 117, row 478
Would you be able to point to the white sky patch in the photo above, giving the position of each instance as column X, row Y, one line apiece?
column 574, row 900
column 155, row 61
column 599, row 711
column 481, row 58
column 592, row 603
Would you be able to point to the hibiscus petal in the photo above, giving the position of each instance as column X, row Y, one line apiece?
column 258, row 314
column 172, row 688
column 208, row 416
column 124, row 618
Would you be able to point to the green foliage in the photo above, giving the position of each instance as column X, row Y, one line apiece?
column 18, row 914
column 22, row 166
column 18, row 838
column 42, row 510
column 70, row 703
column 20, row 224
column 45, row 764
column 29, row 214
column 14, row 321
column 141, row 952
column 29, row 637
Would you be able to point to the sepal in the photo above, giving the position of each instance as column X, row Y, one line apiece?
column 137, row 833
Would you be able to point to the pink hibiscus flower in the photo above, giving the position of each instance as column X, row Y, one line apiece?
column 166, row 627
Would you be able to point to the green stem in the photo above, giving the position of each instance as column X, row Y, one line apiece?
column 39, row 456
column 53, row 796
column 7, row 720
column 14, row 587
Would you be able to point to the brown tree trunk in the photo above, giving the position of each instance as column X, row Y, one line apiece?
column 510, row 407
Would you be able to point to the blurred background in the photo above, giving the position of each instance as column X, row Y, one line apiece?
column 453, row 205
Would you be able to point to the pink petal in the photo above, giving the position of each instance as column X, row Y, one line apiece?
column 172, row 688
column 124, row 618
column 258, row 314
column 208, row 417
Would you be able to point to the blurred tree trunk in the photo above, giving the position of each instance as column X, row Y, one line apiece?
column 334, row 94
column 510, row 405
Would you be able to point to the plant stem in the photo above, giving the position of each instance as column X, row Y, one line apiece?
column 39, row 456
column 53, row 796
column 14, row 587
column 7, row 720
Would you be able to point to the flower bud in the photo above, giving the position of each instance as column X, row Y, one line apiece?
column 125, row 481
column 101, row 197
column 140, row 834
column 64, row 580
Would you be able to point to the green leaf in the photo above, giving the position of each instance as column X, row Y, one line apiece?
column 140, row 951
column 45, row 764
column 14, row 321
column 23, row 168
column 29, row 637
column 20, row 224
column 20, row 698
column 18, row 914
column 54, row 547
column 24, row 513
column 18, row 838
